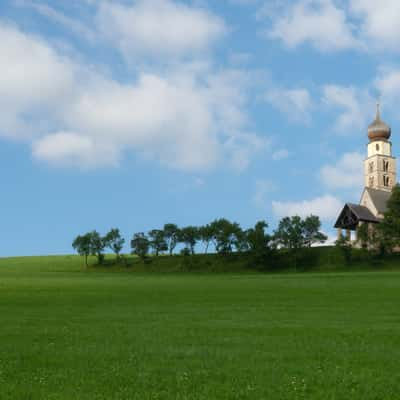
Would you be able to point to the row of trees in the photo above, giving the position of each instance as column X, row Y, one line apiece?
column 224, row 236
column 93, row 244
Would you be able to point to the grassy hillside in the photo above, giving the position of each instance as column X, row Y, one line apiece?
column 67, row 333
column 317, row 259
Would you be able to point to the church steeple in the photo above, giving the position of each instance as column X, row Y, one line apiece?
column 380, row 165
column 380, row 178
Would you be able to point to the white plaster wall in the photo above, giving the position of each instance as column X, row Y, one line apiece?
column 385, row 148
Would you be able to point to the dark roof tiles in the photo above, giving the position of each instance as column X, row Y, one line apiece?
column 362, row 213
column 379, row 198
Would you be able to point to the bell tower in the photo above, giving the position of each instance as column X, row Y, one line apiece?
column 380, row 165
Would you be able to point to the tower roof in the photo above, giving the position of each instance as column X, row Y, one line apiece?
column 378, row 129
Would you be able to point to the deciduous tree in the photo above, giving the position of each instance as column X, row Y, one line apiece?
column 388, row 236
column 312, row 233
column 114, row 241
column 206, row 234
column 97, row 246
column 157, row 241
column 259, row 242
column 171, row 235
column 82, row 245
column 140, row 245
column 189, row 236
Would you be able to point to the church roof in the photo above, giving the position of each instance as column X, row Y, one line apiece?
column 379, row 198
column 363, row 213
column 352, row 214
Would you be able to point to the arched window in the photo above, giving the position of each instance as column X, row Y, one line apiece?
column 371, row 181
column 371, row 167
column 377, row 147
column 385, row 180
column 385, row 165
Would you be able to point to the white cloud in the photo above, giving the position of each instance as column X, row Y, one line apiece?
column 329, row 25
column 318, row 22
column 326, row 207
column 295, row 103
column 354, row 105
column 189, row 118
column 379, row 22
column 159, row 28
column 347, row 173
column 33, row 78
column 69, row 149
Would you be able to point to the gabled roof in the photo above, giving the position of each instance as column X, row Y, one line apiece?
column 362, row 213
column 379, row 198
column 352, row 214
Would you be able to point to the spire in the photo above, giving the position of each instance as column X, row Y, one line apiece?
column 378, row 111
column 378, row 129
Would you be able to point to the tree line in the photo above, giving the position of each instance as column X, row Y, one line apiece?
column 292, row 235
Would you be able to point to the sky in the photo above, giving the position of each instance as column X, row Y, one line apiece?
column 137, row 113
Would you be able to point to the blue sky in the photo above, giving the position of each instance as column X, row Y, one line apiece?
column 135, row 113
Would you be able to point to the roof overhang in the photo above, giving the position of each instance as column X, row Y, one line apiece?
column 352, row 214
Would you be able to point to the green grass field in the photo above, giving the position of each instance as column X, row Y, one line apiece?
column 70, row 334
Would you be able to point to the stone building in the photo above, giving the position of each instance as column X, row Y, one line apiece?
column 379, row 180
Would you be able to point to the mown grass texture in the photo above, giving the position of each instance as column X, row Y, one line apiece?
column 67, row 333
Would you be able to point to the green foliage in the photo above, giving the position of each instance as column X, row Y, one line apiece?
column 345, row 248
column 388, row 236
column 290, row 233
column 140, row 245
column 363, row 235
column 189, row 237
column 83, row 246
column 157, row 241
column 206, row 235
column 114, row 241
column 295, row 234
column 259, row 244
column 97, row 246
column 171, row 236
column 227, row 236
column 311, row 231
column 90, row 243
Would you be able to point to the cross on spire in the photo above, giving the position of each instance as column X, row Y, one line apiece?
column 378, row 110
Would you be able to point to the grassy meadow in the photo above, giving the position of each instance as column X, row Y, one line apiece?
column 67, row 333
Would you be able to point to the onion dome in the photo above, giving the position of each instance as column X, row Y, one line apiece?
column 378, row 129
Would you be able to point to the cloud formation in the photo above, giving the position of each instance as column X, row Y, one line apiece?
column 318, row 22
column 354, row 106
column 190, row 117
column 347, row 173
column 158, row 28
column 329, row 25
column 326, row 207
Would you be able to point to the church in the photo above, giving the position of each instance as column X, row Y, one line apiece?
column 379, row 180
